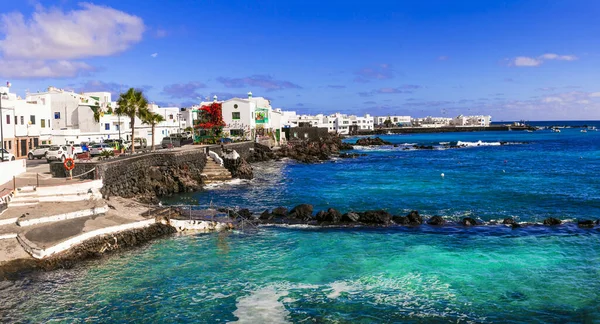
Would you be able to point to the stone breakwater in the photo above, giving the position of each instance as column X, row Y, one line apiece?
column 306, row 151
column 149, row 176
column 304, row 214
column 90, row 249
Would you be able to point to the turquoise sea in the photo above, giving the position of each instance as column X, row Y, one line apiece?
column 423, row 274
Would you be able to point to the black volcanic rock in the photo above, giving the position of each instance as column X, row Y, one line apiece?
column 280, row 212
column 414, row 218
column 468, row 221
column 302, row 212
column 585, row 223
column 332, row 215
column 400, row 220
column 375, row 217
column 368, row 141
column 266, row 215
column 552, row 221
column 509, row 221
column 436, row 220
column 350, row 217
column 245, row 213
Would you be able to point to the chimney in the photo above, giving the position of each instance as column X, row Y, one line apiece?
column 249, row 94
column 215, row 98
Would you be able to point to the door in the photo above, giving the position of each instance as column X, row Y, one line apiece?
column 23, row 147
column 36, row 142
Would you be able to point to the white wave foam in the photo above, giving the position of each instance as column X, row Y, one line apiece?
column 262, row 306
column 232, row 182
column 478, row 143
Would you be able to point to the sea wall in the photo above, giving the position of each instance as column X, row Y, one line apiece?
column 81, row 170
column 149, row 176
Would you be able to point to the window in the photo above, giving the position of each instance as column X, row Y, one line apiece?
column 236, row 132
column 235, row 115
column 22, row 120
column 32, row 119
column 170, row 116
column 117, row 126
column 107, row 126
column 10, row 145
column 7, row 119
column 43, row 123
column 235, row 106
column 57, row 115
column 395, row 119
column 15, row 120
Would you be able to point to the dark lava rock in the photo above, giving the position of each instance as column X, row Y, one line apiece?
column 414, row 218
column 436, row 220
column 515, row 225
column 245, row 213
column 586, row 223
column 331, row 215
column 280, row 212
column 375, row 217
column 552, row 221
column 400, row 220
column 468, row 221
column 350, row 217
column 423, row 147
column 509, row 221
column 368, row 141
column 266, row 215
column 320, row 216
column 598, row 222
column 302, row 212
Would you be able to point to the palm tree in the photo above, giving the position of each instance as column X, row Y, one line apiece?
column 152, row 119
column 132, row 103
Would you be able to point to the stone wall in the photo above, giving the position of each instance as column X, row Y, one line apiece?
column 58, row 170
column 153, row 175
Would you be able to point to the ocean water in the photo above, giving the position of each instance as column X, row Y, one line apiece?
column 300, row 274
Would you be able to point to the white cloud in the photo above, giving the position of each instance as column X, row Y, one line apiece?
column 533, row 61
column 51, row 39
column 595, row 94
column 552, row 56
column 526, row 61
column 26, row 69
column 154, row 55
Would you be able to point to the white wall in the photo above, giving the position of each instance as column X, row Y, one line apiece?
column 10, row 169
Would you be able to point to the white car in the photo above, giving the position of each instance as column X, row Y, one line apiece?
column 97, row 149
column 58, row 153
column 7, row 155
column 39, row 152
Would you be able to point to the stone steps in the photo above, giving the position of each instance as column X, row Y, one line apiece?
column 214, row 172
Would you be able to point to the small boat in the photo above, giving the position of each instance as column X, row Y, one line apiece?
column 555, row 130
column 583, row 130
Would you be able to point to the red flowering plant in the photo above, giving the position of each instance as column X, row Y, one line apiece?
column 211, row 119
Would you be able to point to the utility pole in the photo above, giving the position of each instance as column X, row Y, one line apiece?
column 1, row 128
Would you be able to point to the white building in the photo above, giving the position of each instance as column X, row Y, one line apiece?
column 431, row 121
column 395, row 120
column 479, row 120
column 25, row 123
column 73, row 120
column 252, row 118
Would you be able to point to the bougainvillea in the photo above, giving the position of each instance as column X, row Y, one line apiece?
column 211, row 117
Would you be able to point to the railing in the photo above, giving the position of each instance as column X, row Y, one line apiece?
column 204, row 213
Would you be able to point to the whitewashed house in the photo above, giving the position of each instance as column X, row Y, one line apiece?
column 25, row 123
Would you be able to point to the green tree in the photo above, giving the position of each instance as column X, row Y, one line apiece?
column 152, row 119
column 132, row 103
column 388, row 123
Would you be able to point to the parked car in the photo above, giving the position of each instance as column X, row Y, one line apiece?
column 39, row 152
column 77, row 148
column 97, row 149
column 7, row 156
column 170, row 141
column 58, row 153
column 140, row 143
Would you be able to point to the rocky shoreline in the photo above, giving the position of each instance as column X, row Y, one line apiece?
column 304, row 215
column 90, row 249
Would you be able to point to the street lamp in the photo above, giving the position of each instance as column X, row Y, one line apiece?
column 1, row 127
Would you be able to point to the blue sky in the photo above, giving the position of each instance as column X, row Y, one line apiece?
column 533, row 60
